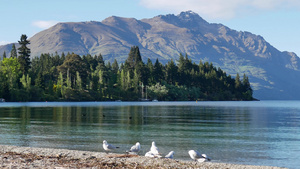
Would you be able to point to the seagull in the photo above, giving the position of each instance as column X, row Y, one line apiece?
column 198, row 157
column 170, row 155
column 108, row 147
column 135, row 148
column 149, row 154
column 154, row 149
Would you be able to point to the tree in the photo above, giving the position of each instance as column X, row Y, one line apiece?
column 237, row 82
column 71, row 65
column 4, row 55
column 24, row 54
column 13, row 52
column 115, row 66
column 158, row 72
column 247, row 90
column 171, row 72
column 157, row 91
column 134, row 57
column 10, row 69
column 78, row 81
column 26, row 82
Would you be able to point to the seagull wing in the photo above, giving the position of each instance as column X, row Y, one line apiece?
column 109, row 146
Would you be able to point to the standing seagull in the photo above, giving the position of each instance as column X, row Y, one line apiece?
column 108, row 147
column 154, row 149
column 170, row 155
column 135, row 148
column 198, row 157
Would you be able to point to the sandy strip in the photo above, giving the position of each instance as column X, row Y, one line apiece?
column 28, row 157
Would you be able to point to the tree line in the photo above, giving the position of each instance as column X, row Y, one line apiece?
column 70, row 77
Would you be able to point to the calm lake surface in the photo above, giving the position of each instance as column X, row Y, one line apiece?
column 256, row 133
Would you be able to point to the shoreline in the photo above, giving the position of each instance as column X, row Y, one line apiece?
column 31, row 157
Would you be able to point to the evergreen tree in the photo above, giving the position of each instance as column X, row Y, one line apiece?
column 4, row 55
column 237, row 82
column 171, row 72
column 13, row 52
column 247, row 90
column 158, row 72
column 149, row 67
column 134, row 57
column 115, row 66
column 24, row 54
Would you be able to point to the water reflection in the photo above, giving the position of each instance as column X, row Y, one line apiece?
column 236, row 134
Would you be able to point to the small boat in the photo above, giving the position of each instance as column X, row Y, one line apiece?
column 2, row 100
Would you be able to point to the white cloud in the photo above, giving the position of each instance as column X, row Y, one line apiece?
column 4, row 43
column 44, row 24
column 221, row 9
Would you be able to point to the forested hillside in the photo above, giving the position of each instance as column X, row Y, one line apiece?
column 72, row 77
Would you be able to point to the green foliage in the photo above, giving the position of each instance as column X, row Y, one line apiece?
column 26, row 82
column 74, row 78
column 157, row 91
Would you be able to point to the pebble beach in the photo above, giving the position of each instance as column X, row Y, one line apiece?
column 29, row 157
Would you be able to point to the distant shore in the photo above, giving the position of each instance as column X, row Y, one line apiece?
column 29, row 157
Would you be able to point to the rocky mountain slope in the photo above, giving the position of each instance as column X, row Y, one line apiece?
column 273, row 74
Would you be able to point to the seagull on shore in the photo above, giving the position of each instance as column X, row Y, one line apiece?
column 108, row 147
column 154, row 150
column 170, row 155
column 198, row 157
column 135, row 148
column 149, row 154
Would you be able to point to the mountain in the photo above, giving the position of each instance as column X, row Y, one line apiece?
column 273, row 74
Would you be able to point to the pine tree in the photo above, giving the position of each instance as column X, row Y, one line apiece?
column 171, row 72
column 13, row 52
column 115, row 66
column 24, row 54
column 158, row 72
column 237, row 82
column 4, row 55
column 134, row 57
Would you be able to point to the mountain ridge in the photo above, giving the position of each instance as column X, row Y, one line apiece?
column 272, row 73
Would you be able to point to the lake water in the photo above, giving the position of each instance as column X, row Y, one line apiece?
column 255, row 133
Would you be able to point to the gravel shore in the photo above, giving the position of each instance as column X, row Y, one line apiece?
column 28, row 157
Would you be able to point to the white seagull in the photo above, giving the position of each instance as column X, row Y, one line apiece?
column 149, row 154
column 154, row 150
column 135, row 148
column 108, row 147
column 198, row 157
column 170, row 155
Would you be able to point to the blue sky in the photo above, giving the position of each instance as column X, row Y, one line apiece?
column 278, row 21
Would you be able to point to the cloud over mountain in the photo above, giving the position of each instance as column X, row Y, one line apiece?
column 44, row 24
column 221, row 9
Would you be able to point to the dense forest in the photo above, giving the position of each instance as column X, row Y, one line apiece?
column 70, row 77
